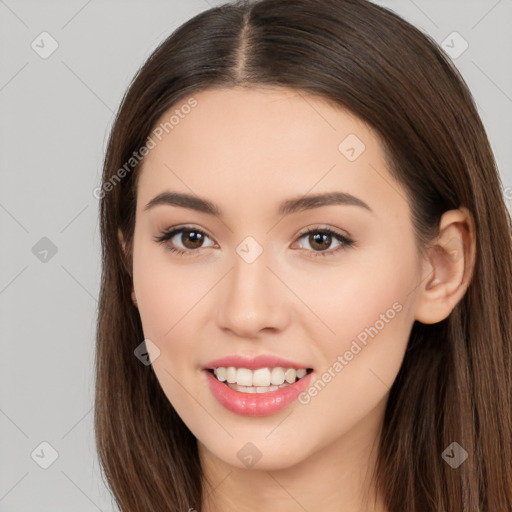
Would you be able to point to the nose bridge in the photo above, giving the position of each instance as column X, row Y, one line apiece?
column 251, row 300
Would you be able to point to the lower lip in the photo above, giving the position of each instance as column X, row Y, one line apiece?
column 256, row 404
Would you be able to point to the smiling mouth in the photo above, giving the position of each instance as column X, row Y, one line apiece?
column 291, row 376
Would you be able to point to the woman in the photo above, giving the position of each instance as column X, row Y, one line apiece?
column 306, row 297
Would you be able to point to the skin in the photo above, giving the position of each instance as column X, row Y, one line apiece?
column 247, row 150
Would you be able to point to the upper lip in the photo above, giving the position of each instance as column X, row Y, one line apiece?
column 253, row 363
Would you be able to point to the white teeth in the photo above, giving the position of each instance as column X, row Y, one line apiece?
column 244, row 377
column 231, row 375
column 290, row 375
column 277, row 377
column 260, row 378
column 221, row 374
column 301, row 373
column 258, row 389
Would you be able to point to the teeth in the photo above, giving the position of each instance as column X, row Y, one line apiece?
column 244, row 377
column 258, row 389
column 221, row 374
column 301, row 373
column 277, row 377
column 290, row 375
column 231, row 375
column 260, row 378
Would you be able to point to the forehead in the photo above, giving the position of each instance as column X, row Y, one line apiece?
column 264, row 142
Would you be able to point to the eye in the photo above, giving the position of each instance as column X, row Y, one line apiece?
column 191, row 238
column 319, row 239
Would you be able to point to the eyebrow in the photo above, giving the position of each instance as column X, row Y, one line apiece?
column 193, row 202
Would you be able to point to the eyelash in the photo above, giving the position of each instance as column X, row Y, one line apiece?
column 167, row 235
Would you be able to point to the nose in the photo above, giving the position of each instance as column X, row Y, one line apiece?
column 252, row 299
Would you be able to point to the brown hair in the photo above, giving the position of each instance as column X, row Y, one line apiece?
column 455, row 381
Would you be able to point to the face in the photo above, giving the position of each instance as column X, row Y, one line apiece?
column 328, row 286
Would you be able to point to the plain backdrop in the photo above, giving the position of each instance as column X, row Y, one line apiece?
column 56, row 113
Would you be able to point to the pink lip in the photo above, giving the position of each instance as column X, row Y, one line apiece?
column 253, row 363
column 256, row 404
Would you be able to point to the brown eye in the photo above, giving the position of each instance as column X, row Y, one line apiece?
column 320, row 241
column 191, row 239
column 183, row 241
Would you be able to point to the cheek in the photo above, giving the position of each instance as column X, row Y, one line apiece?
column 367, row 306
column 166, row 304
column 164, row 291
column 364, row 296
column 171, row 301
column 372, row 306
column 372, row 318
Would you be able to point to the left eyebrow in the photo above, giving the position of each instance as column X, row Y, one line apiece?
column 318, row 200
column 287, row 207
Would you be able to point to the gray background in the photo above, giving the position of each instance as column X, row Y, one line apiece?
column 56, row 115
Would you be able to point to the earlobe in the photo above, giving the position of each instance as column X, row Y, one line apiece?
column 448, row 267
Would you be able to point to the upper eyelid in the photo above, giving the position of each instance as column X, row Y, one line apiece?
column 179, row 229
column 320, row 227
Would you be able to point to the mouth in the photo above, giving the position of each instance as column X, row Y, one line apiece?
column 271, row 389
column 261, row 380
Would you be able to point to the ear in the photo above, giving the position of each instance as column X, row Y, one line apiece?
column 448, row 267
column 123, row 245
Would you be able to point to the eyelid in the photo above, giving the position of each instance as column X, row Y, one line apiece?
column 323, row 227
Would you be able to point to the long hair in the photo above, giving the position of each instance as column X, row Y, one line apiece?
column 455, row 382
